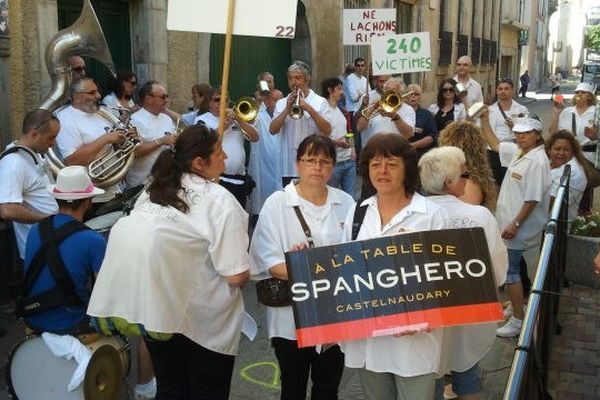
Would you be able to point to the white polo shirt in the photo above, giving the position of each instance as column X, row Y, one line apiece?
column 165, row 269
column 150, row 127
column 339, row 126
column 475, row 94
column 295, row 131
column 357, row 87
column 381, row 124
column 278, row 229
column 527, row 179
column 577, row 185
column 464, row 346
column 410, row 355
column 233, row 144
column 498, row 123
column 565, row 121
column 25, row 182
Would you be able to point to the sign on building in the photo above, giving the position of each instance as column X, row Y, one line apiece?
column 388, row 285
column 267, row 18
column 360, row 25
column 398, row 54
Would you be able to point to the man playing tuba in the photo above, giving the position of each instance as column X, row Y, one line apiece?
column 84, row 134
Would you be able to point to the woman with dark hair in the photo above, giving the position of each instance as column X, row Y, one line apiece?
column 122, row 91
column 200, row 97
column 523, row 202
column 176, row 265
column 403, row 365
column 344, row 175
column 481, row 188
column 306, row 201
column 562, row 149
column 448, row 106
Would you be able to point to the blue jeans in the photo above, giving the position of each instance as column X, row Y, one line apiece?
column 344, row 176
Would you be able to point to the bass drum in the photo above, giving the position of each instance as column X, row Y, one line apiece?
column 34, row 373
column 103, row 223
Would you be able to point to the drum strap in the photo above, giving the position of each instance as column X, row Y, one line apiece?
column 64, row 290
column 15, row 149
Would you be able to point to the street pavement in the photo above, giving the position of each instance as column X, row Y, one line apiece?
column 256, row 374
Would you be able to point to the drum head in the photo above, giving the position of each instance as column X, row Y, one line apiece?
column 34, row 373
column 104, row 374
column 104, row 222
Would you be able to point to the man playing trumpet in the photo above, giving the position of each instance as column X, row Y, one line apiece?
column 297, row 116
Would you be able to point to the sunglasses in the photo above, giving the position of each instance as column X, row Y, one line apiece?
column 79, row 69
column 447, row 90
column 215, row 99
column 465, row 175
column 89, row 91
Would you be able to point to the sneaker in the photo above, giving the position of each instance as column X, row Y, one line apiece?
column 511, row 329
column 146, row 391
column 508, row 311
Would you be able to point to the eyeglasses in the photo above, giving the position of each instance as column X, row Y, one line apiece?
column 447, row 90
column 134, row 83
column 164, row 96
column 313, row 162
column 415, row 94
column 215, row 99
column 465, row 175
column 94, row 91
column 78, row 69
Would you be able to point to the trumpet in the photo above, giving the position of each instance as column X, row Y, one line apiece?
column 390, row 102
column 296, row 112
column 246, row 109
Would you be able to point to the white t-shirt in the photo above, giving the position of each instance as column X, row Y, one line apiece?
column 475, row 94
column 79, row 128
column 577, row 185
column 111, row 100
column 357, row 87
column 165, row 269
column 565, row 121
column 410, row 355
column 295, row 131
column 498, row 124
column 339, row 126
column 233, row 144
column 464, row 346
column 381, row 124
column 150, row 127
column 25, row 182
column 527, row 179
column 459, row 111
column 278, row 229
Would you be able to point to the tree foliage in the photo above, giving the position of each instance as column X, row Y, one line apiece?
column 592, row 37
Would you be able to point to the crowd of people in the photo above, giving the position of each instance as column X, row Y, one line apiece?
column 176, row 264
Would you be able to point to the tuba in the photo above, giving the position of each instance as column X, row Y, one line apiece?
column 85, row 37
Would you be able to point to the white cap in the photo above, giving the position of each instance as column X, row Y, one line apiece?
column 527, row 124
column 584, row 87
column 73, row 183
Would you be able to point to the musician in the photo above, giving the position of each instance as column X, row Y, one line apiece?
column 502, row 113
column 83, row 133
column 261, row 94
column 155, row 130
column 234, row 177
column 265, row 162
column 379, row 121
column 426, row 131
column 463, row 75
column 293, row 131
column 122, row 91
column 78, row 68
column 24, row 199
column 79, row 254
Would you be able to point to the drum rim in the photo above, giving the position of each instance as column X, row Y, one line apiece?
column 11, row 354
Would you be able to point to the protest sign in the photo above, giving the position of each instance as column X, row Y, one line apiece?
column 359, row 25
column 267, row 18
column 399, row 54
column 388, row 285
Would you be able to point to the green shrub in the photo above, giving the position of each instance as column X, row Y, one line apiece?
column 588, row 225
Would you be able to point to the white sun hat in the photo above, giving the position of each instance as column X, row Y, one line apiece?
column 527, row 124
column 73, row 183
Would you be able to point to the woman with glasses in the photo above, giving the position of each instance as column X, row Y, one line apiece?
column 122, row 91
column 448, row 107
column 523, row 202
column 306, row 201
column 176, row 265
column 444, row 175
column 400, row 366
column 200, row 97
column 480, row 187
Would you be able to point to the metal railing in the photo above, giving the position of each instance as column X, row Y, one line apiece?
column 528, row 378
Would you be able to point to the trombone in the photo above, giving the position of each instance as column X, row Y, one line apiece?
column 296, row 112
column 246, row 109
column 390, row 102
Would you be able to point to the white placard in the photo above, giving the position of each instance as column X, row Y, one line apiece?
column 267, row 18
column 398, row 54
column 360, row 25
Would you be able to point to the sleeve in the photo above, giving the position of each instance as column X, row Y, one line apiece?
column 98, row 249
column 537, row 182
column 69, row 139
column 433, row 109
column 279, row 107
column 507, row 152
column 229, row 243
column 267, row 247
column 12, row 177
column 141, row 128
column 479, row 93
column 431, row 127
column 408, row 115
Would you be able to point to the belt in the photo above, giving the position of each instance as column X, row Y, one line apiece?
column 588, row 148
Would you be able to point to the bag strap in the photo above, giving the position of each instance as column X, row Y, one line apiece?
column 48, row 252
column 573, row 124
column 15, row 149
column 357, row 220
column 305, row 228
column 502, row 112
